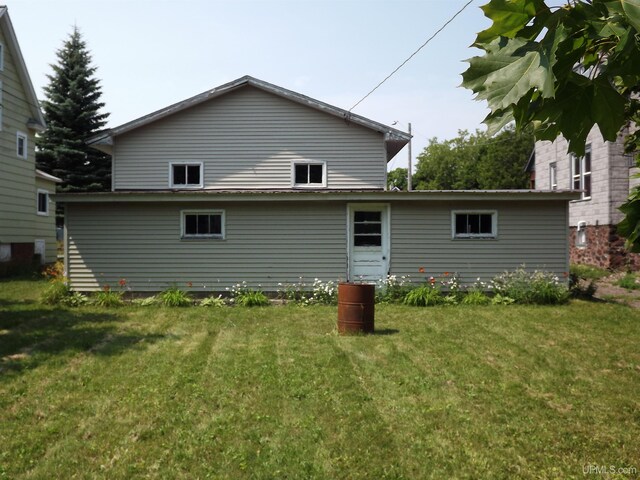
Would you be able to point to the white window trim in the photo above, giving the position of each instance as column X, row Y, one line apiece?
column 553, row 176
column 26, row 144
column 309, row 185
column 172, row 185
column 581, row 174
column 474, row 236
column 184, row 236
column 38, row 192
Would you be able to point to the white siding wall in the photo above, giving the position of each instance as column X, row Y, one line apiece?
column 271, row 242
column 533, row 234
column 247, row 139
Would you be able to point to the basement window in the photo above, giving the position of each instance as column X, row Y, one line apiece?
column 185, row 175
column 309, row 174
column 474, row 224
column 581, row 235
column 205, row 224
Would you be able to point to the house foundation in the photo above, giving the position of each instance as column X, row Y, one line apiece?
column 603, row 248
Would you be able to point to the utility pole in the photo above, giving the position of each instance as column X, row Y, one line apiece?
column 409, row 186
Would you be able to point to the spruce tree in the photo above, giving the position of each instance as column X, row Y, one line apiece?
column 72, row 109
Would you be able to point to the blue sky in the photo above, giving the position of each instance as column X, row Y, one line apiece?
column 150, row 54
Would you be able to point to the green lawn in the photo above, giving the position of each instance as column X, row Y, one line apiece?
column 443, row 392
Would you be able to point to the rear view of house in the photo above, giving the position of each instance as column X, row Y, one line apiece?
column 27, row 212
column 252, row 182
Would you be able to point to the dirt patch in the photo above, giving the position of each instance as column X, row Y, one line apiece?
column 609, row 291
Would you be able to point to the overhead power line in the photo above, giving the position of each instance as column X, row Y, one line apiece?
column 414, row 53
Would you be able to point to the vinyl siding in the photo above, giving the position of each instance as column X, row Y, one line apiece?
column 533, row 234
column 45, row 226
column 265, row 244
column 277, row 242
column 247, row 139
column 17, row 175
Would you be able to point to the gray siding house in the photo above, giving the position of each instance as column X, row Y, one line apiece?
column 252, row 182
column 27, row 212
column 605, row 176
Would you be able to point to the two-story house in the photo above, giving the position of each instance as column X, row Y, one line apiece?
column 27, row 213
column 253, row 182
column 605, row 177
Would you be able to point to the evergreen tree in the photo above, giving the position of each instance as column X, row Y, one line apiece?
column 72, row 111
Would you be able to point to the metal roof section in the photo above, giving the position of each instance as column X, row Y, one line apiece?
column 37, row 122
column 395, row 139
column 315, row 195
column 46, row 176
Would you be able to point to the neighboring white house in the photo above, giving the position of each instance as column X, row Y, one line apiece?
column 252, row 182
column 604, row 175
column 27, row 212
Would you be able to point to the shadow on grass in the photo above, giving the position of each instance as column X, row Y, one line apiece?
column 32, row 336
column 385, row 331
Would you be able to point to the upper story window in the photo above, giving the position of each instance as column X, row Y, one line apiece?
column 21, row 144
column 185, row 175
column 203, row 224
column 553, row 176
column 42, row 202
column 581, row 173
column 474, row 224
column 309, row 174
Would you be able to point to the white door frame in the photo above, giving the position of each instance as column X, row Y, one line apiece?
column 386, row 232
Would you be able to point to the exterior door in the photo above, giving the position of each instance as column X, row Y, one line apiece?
column 368, row 242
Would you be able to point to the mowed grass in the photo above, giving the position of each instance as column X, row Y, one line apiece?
column 445, row 392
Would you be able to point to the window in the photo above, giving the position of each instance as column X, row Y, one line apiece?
column 42, row 202
column 581, row 235
column 1, row 105
column 1, row 56
column 581, row 173
column 367, row 228
column 553, row 176
column 474, row 224
column 186, row 175
column 203, row 224
column 309, row 174
column 21, row 144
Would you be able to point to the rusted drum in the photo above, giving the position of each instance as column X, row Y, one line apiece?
column 355, row 308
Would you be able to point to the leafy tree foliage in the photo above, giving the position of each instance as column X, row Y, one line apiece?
column 562, row 70
column 475, row 161
column 397, row 178
column 72, row 109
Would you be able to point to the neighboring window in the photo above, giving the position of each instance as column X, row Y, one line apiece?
column 203, row 224
column 553, row 176
column 367, row 229
column 43, row 202
column 21, row 144
column 581, row 234
column 475, row 224
column 1, row 56
column 581, row 173
column 1, row 104
column 309, row 174
column 186, row 175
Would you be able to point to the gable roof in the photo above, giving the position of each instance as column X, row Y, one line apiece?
column 395, row 140
column 37, row 121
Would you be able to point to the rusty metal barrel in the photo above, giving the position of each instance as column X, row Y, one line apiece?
column 356, row 303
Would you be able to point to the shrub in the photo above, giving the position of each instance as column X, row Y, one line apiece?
column 212, row 302
column 475, row 297
column 108, row 298
column 247, row 297
column 588, row 272
column 74, row 299
column 54, row 271
column 391, row 289
column 324, row 293
column 499, row 299
column 146, row 302
column 630, row 282
column 57, row 290
column 541, row 288
column 293, row 292
column 174, row 297
column 424, row 296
